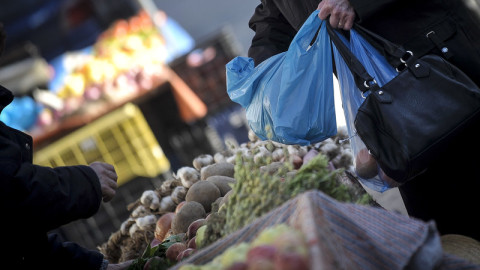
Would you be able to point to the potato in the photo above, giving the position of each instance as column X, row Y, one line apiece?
column 203, row 192
column 365, row 164
column 224, row 183
column 224, row 168
column 189, row 212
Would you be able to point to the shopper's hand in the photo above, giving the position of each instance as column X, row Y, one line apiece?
column 341, row 13
column 108, row 179
column 120, row 266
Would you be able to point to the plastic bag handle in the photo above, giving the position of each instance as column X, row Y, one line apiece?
column 363, row 80
column 393, row 52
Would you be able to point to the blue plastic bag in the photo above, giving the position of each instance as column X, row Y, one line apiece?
column 289, row 97
column 378, row 67
column 21, row 114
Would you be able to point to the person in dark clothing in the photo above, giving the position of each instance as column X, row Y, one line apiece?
column 36, row 200
column 448, row 191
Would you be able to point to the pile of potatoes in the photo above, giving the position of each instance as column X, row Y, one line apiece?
column 190, row 193
column 171, row 208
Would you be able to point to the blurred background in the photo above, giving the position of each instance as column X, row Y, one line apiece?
column 139, row 84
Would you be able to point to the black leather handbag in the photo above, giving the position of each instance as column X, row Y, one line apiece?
column 407, row 122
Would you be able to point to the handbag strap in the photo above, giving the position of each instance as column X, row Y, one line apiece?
column 363, row 80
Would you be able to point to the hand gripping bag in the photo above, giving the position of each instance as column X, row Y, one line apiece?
column 289, row 97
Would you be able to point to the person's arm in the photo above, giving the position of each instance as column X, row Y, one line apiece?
column 50, row 196
column 57, row 196
column 273, row 33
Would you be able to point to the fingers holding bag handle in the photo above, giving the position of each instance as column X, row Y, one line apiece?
column 340, row 13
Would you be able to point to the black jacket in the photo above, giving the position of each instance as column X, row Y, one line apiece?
column 405, row 22
column 34, row 200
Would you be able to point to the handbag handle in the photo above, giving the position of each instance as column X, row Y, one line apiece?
column 364, row 81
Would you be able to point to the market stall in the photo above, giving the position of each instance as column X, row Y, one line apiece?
column 264, row 204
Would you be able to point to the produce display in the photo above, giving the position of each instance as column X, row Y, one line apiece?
column 224, row 192
column 277, row 247
column 126, row 59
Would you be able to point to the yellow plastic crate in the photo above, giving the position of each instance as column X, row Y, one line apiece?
column 122, row 138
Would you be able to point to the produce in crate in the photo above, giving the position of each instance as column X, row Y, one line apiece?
column 258, row 183
column 278, row 247
column 126, row 59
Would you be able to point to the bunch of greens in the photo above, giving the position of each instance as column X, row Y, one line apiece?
column 157, row 255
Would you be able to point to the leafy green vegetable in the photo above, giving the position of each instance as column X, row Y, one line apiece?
column 139, row 263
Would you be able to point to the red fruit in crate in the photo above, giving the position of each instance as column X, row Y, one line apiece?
column 175, row 250
column 238, row 266
column 193, row 227
column 261, row 252
column 365, row 164
column 261, row 264
column 291, row 261
column 192, row 243
column 184, row 254
column 154, row 263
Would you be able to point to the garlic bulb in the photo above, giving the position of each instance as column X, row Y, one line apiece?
column 150, row 199
column 188, row 176
column 167, row 204
column 144, row 222
column 202, row 161
column 178, row 194
column 140, row 211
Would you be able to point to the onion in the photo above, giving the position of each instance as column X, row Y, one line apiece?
column 163, row 225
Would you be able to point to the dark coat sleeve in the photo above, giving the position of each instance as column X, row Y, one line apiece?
column 37, row 199
column 273, row 33
column 52, row 196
